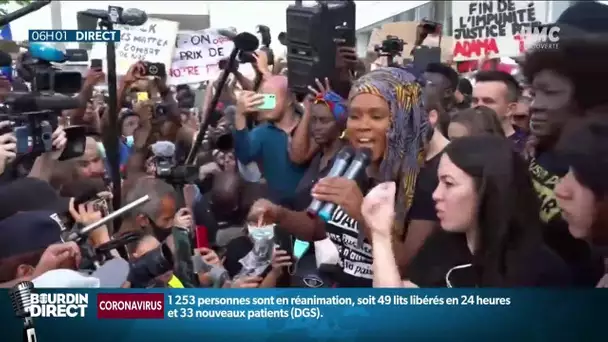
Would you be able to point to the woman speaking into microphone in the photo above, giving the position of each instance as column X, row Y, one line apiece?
column 386, row 117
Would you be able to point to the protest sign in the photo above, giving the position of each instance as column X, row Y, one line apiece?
column 196, row 56
column 153, row 41
column 494, row 28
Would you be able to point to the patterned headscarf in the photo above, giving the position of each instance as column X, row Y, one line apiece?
column 406, row 136
column 335, row 103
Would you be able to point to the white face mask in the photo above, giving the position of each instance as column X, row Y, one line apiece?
column 261, row 233
column 129, row 141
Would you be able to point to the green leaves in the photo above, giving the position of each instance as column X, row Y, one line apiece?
column 3, row 4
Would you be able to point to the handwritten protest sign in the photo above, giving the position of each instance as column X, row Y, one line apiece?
column 153, row 41
column 197, row 55
column 493, row 28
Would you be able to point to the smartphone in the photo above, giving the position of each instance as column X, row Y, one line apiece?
column 270, row 101
column 22, row 135
column 142, row 96
column 96, row 64
column 154, row 69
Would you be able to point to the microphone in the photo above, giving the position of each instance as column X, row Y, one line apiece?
column 47, row 52
column 23, row 11
column 359, row 164
column 165, row 149
column 21, row 299
column 130, row 16
column 228, row 33
column 340, row 164
column 31, row 103
column 246, row 41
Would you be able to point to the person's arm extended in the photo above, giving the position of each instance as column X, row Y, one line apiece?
column 86, row 92
column 300, row 225
column 386, row 272
column 42, row 168
column 302, row 147
column 247, row 144
column 245, row 83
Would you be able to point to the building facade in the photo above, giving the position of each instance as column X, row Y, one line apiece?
column 439, row 11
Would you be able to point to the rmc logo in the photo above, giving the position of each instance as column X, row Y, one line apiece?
column 540, row 37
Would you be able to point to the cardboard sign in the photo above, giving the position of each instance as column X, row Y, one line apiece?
column 197, row 55
column 494, row 28
column 406, row 30
column 153, row 41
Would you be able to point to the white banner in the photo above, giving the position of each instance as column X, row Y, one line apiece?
column 494, row 28
column 153, row 42
column 196, row 56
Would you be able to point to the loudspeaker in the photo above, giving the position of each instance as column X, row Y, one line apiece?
column 312, row 36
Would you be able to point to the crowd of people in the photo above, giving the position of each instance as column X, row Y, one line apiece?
column 495, row 181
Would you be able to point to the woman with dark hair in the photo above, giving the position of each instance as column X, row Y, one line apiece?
column 488, row 211
column 582, row 194
column 475, row 121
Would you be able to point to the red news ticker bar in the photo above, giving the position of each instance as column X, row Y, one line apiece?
column 130, row 305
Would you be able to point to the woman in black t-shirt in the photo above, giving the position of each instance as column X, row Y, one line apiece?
column 488, row 209
column 385, row 115
column 582, row 194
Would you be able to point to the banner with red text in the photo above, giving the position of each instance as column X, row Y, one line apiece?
column 196, row 56
column 493, row 28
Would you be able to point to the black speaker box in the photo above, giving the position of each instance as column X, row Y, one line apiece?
column 312, row 36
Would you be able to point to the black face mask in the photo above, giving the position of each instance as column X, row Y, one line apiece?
column 161, row 234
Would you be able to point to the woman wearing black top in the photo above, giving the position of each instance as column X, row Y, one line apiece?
column 385, row 115
column 582, row 194
column 487, row 207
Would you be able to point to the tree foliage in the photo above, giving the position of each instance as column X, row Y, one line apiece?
column 4, row 3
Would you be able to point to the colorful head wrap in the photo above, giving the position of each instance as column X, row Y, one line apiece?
column 406, row 136
column 335, row 103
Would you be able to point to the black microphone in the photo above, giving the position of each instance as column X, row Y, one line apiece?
column 5, row 59
column 359, row 164
column 130, row 16
column 33, row 7
column 32, row 103
column 340, row 164
column 21, row 299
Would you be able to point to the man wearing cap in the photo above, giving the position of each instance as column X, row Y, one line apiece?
column 30, row 194
column 23, row 239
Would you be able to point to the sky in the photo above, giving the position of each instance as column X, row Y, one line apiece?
column 243, row 15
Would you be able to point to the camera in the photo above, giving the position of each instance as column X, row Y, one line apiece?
column 151, row 265
column 391, row 46
column 171, row 173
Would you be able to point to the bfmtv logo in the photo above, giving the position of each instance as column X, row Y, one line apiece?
column 546, row 37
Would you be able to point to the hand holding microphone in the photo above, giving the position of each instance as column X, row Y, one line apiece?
column 343, row 191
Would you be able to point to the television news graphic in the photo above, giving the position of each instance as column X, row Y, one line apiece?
column 79, row 36
column 312, row 38
column 340, row 164
column 130, row 306
column 360, row 163
column 21, row 299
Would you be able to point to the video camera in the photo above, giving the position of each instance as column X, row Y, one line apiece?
column 392, row 46
column 34, row 115
column 166, row 165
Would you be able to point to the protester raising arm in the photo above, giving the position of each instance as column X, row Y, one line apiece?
column 92, row 78
column 303, row 147
column 280, row 260
column 247, row 144
column 379, row 213
column 8, row 146
column 45, row 162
